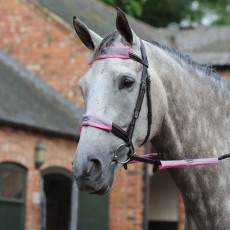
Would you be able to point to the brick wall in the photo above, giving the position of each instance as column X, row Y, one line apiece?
column 126, row 199
column 224, row 72
column 43, row 46
column 19, row 147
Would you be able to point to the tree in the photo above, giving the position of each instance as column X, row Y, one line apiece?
column 217, row 11
column 161, row 13
column 202, row 12
column 131, row 7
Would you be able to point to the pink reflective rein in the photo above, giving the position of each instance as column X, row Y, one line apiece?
column 180, row 163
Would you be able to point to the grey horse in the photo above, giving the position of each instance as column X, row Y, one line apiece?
column 190, row 119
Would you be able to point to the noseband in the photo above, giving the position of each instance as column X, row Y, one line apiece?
column 96, row 121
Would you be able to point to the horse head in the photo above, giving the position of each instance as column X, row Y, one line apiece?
column 110, row 89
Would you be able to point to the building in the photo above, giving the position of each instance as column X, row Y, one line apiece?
column 42, row 60
column 34, row 119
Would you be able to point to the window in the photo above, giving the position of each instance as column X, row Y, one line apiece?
column 12, row 196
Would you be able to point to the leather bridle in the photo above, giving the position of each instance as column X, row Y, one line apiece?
column 107, row 125
column 126, row 136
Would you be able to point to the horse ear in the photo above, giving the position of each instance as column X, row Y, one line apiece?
column 123, row 26
column 87, row 36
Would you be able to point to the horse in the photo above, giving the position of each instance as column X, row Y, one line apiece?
column 137, row 91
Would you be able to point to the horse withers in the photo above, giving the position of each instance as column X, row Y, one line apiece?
column 137, row 91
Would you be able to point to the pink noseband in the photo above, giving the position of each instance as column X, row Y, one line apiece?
column 96, row 122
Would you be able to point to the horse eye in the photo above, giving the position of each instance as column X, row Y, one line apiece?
column 126, row 82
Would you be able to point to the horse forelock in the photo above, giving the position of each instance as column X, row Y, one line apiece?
column 106, row 41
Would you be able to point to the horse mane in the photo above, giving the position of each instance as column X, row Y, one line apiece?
column 207, row 70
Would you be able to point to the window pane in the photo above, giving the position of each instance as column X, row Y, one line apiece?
column 12, row 184
column 8, row 181
column 1, row 183
column 18, row 185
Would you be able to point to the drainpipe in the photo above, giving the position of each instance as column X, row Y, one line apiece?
column 146, row 190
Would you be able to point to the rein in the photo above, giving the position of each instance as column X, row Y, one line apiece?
column 92, row 120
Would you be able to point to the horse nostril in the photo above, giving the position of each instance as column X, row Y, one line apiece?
column 94, row 167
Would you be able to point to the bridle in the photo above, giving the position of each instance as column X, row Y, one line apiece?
column 100, row 122
column 124, row 52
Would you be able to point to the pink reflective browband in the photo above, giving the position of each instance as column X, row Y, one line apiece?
column 121, row 52
column 105, row 124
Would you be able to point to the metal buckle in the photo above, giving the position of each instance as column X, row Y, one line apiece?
column 116, row 155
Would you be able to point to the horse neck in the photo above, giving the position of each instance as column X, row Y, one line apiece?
column 195, row 126
column 198, row 105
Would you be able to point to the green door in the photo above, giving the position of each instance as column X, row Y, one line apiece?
column 93, row 212
column 12, row 196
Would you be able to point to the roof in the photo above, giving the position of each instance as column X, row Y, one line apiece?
column 100, row 17
column 207, row 45
column 27, row 101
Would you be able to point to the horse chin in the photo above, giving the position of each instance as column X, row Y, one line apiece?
column 103, row 191
column 106, row 186
column 93, row 189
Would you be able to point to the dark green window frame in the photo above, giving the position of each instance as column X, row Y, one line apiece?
column 12, row 194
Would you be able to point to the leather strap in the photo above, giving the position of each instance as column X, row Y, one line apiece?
column 144, row 86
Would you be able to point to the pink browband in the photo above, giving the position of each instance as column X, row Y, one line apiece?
column 105, row 124
column 112, row 52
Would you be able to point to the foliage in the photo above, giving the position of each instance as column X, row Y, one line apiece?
column 161, row 13
column 219, row 10
column 131, row 7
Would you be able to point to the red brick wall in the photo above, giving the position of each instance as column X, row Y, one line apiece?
column 19, row 147
column 43, row 46
column 126, row 199
column 224, row 73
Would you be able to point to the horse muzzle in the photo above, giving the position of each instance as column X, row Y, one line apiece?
column 92, row 177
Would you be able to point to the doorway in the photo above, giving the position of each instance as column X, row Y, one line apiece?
column 163, row 207
column 57, row 189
